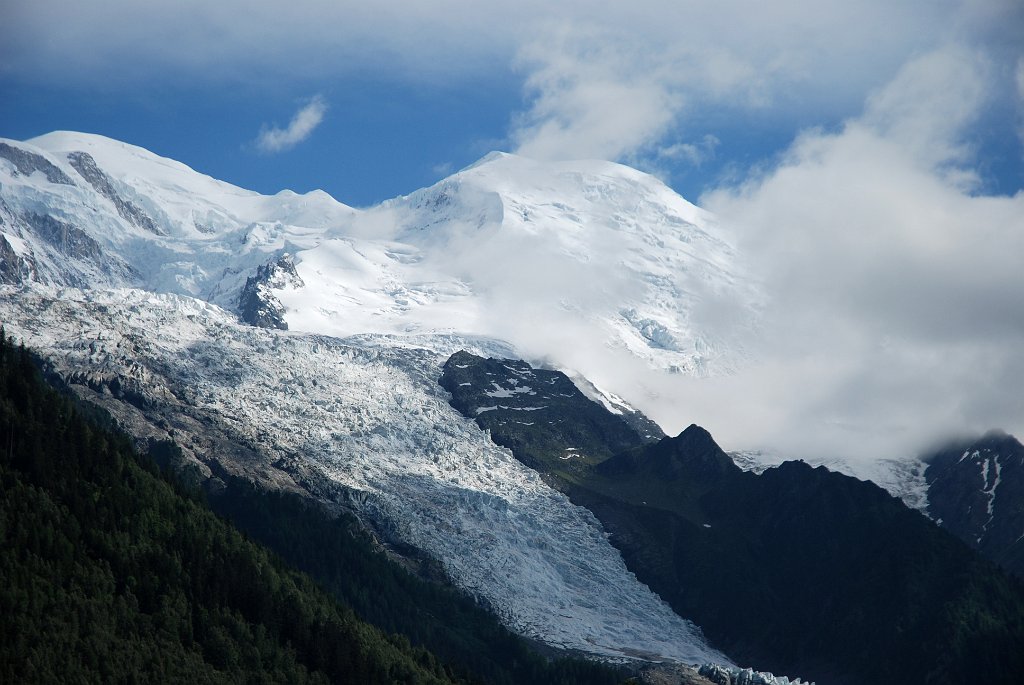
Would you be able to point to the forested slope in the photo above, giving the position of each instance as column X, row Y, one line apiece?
column 110, row 570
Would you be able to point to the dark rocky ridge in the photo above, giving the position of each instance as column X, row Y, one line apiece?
column 257, row 304
column 692, row 455
column 83, row 253
column 85, row 165
column 14, row 269
column 539, row 414
column 69, row 240
column 976, row 492
column 28, row 162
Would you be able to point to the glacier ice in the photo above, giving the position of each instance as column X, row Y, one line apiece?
column 371, row 416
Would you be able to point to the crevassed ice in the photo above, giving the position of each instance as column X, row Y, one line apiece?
column 376, row 420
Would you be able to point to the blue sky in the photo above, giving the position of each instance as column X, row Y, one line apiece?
column 411, row 91
column 378, row 139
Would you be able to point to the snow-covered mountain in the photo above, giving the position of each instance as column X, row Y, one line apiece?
column 577, row 264
column 129, row 272
column 551, row 257
column 87, row 211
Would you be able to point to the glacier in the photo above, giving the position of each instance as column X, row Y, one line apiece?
column 370, row 416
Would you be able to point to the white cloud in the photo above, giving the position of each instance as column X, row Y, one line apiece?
column 442, row 169
column 930, row 103
column 590, row 99
column 895, row 313
column 605, row 78
column 692, row 153
column 274, row 139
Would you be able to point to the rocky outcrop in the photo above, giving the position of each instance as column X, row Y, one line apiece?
column 28, row 162
column 85, row 165
column 59, row 253
column 976, row 492
column 14, row 268
column 547, row 422
column 257, row 304
column 692, row 455
column 67, row 239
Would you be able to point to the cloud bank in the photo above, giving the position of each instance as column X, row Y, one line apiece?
column 273, row 139
column 599, row 79
column 895, row 310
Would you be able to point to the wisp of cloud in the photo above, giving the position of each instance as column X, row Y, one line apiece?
column 273, row 139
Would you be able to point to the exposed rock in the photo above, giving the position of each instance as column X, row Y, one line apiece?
column 69, row 240
column 547, row 422
column 672, row 674
column 693, row 454
column 257, row 304
column 85, row 165
column 976, row 492
column 14, row 268
column 27, row 162
column 48, row 250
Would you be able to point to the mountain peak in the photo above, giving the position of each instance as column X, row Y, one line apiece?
column 545, row 167
column 492, row 156
column 100, row 146
column 691, row 455
column 695, row 450
column 696, row 435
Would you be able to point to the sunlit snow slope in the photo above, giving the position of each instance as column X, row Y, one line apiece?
column 578, row 264
column 571, row 262
column 175, row 230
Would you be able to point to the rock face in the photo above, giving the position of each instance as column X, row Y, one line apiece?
column 14, row 268
column 692, row 455
column 547, row 422
column 976, row 492
column 84, row 263
column 85, row 165
column 778, row 568
column 28, row 162
column 257, row 304
column 67, row 239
